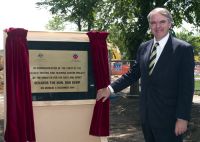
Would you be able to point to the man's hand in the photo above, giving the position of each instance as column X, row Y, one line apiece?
column 103, row 93
column 181, row 126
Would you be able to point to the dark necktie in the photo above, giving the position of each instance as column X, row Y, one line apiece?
column 153, row 58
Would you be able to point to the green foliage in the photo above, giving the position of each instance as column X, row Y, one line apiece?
column 80, row 12
column 192, row 39
column 197, row 58
column 56, row 23
column 126, row 22
column 197, row 85
column 187, row 10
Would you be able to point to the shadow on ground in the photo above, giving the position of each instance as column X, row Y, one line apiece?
column 125, row 123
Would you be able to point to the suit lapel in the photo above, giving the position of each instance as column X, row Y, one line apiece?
column 147, row 56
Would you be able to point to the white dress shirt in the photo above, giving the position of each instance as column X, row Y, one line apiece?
column 161, row 46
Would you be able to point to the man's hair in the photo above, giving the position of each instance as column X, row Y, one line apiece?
column 162, row 11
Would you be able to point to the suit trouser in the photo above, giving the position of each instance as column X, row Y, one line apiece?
column 160, row 134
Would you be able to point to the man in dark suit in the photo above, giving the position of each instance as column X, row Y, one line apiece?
column 165, row 66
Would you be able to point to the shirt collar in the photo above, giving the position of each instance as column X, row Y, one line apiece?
column 163, row 41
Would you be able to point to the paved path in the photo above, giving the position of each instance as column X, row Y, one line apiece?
column 196, row 99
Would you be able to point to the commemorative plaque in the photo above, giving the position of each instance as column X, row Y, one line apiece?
column 60, row 70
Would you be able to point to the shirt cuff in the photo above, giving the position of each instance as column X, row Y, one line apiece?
column 111, row 89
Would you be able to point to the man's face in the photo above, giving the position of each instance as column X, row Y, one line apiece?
column 159, row 25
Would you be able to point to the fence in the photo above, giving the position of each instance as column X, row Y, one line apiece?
column 119, row 67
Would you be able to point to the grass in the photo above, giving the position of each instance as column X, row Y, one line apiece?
column 197, row 76
column 197, row 84
column 197, row 87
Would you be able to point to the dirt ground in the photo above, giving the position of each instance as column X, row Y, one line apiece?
column 125, row 123
column 124, row 120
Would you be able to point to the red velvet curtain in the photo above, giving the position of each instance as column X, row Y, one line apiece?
column 100, row 120
column 19, row 123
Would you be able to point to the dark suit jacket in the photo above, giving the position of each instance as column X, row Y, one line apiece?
column 167, row 94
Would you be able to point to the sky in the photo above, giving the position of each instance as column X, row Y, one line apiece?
column 22, row 14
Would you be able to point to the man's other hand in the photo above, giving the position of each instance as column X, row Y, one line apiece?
column 181, row 126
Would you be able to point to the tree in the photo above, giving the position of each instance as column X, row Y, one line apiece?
column 80, row 12
column 192, row 39
column 56, row 23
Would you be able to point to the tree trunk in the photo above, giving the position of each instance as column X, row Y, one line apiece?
column 137, row 37
column 134, row 89
column 79, row 25
column 89, row 26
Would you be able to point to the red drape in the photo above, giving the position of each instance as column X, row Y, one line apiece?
column 100, row 120
column 20, row 123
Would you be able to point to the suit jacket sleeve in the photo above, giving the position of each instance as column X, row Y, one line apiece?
column 186, row 83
